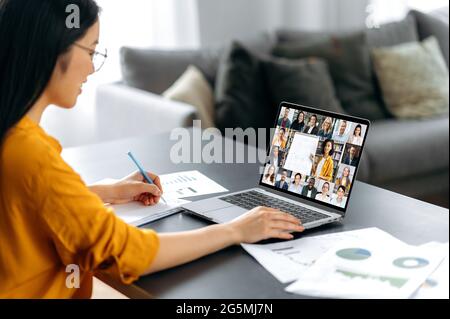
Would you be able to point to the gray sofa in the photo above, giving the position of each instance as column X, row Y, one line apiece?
column 406, row 156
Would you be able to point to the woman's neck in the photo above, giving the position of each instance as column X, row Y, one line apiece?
column 36, row 111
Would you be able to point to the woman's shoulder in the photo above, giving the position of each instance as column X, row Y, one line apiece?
column 24, row 153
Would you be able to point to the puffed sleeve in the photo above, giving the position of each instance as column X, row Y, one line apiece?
column 85, row 232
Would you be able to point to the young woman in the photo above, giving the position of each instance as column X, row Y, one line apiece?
column 356, row 137
column 280, row 139
column 323, row 196
column 274, row 158
column 296, row 185
column 269, row 177
column 326, row 131
column 339, row 199
column 49, row 218
column 299, row 125
column 325, row 167
column 344, row 180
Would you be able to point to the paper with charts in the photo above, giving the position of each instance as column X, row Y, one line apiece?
column 299, row 156
column 437, row 285
column 188, row 184
column 368, row 269
column 288, row 260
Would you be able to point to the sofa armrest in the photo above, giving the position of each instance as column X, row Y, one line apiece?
column 122, row 111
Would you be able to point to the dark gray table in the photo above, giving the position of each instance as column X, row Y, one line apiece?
column 232, row 273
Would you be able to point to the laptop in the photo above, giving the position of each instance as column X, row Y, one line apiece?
column 311, row 167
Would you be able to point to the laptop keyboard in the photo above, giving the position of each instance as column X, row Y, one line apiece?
column 252, row 199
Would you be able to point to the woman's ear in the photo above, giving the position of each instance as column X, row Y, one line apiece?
column 63, row 61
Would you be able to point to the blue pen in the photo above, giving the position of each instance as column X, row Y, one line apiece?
column 146, row 177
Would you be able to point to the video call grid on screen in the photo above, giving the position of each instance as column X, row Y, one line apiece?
column 315, row 154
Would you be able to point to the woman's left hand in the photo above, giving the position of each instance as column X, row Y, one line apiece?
column 131, row 188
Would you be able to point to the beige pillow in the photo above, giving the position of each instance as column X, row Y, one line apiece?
column 414, row 78
column 193, row 88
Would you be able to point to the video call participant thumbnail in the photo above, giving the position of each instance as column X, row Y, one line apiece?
column 325, row 167
column 351, row 156
column 296, row 186
column 323, row 195
column 341, row 135
column 280, row 138
column 310, row 190
column 344, row 180
column 285, row 122
column 312, row 126
column 326, row 130
column 299, row 124
column 275, row 156
column 356, row 138
column 282, row 183
column 269, row 176
column 339, row 199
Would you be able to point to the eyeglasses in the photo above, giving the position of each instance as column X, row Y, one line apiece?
column 98, row 57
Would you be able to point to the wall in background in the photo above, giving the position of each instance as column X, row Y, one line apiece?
column 221, row 20
column 224, row 20
column 320, row 15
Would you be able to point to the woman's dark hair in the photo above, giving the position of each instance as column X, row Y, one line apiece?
column 272, row 176
column 298, row 174
column 325, row 143
column 33, row 34
column 298, row 117
column 360, row 129
column 341, row 187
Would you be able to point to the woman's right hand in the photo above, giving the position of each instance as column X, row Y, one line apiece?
column 263, row 223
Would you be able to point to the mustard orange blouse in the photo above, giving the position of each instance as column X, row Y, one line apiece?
column 327, row 169
column 50, row 219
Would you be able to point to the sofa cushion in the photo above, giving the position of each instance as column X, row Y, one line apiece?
column 250, row 87
column 156, row 70
column 240, row 92
column 387, row 35
column 414, row 79
column 405, row 148
column 305, row 82
column 192, row 88
column 428, row 25
column 348, row 59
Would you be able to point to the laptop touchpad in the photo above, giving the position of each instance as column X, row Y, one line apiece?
column 225, row 214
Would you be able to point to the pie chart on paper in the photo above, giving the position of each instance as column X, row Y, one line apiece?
column 353, row 253
column 410, row 262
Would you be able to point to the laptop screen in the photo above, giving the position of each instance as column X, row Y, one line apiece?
column 315, row 154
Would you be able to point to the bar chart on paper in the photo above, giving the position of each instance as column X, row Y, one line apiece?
column 189, row 184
